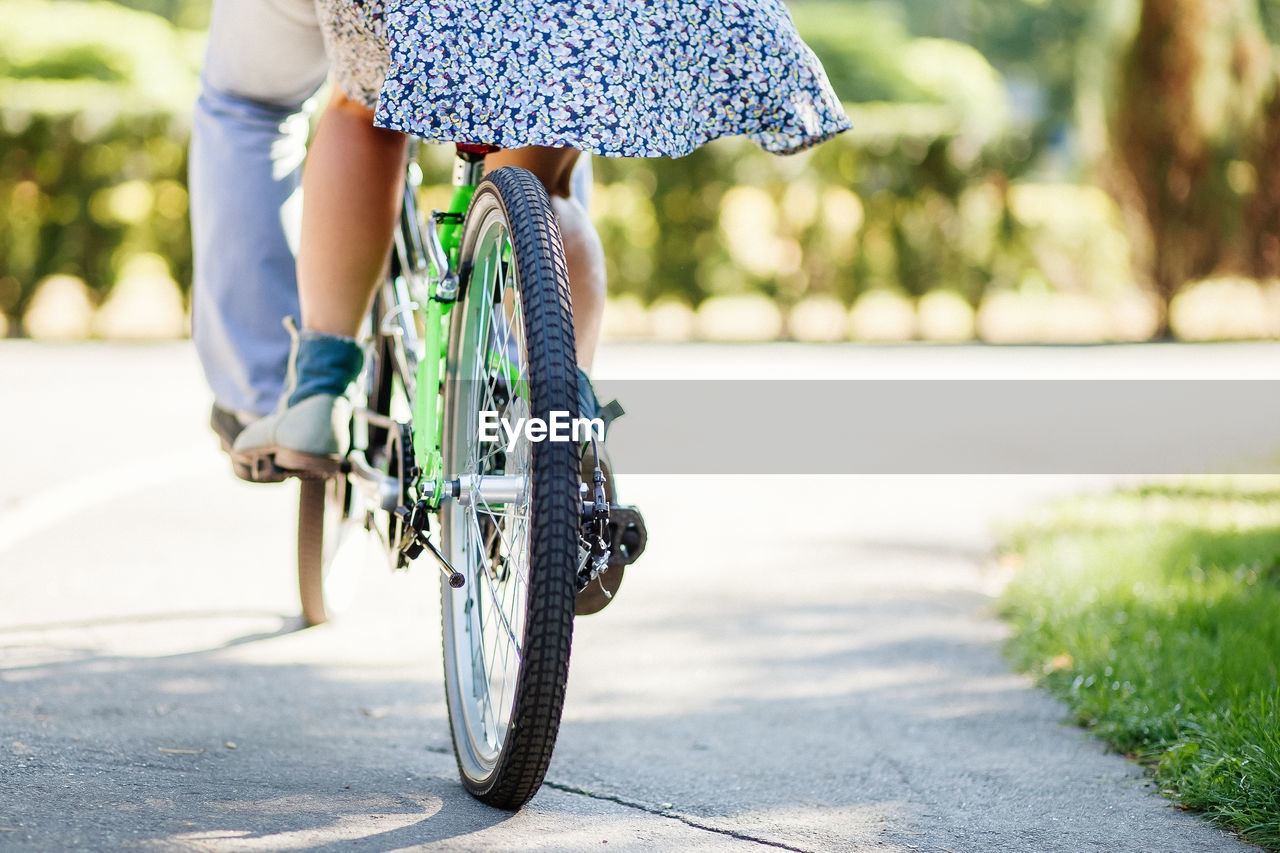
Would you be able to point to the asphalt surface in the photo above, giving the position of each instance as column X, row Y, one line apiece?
column 797, row 663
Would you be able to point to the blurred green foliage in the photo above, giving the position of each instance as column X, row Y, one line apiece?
column 871, row 56
column 1031, row 41
column 877, row 209
column 923, row 194
column 93, row 129
column 189, row 14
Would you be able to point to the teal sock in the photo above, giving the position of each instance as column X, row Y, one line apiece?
column 325, row 364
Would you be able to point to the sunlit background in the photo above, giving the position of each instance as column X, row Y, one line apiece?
column 811, row 662
column 1022, row 170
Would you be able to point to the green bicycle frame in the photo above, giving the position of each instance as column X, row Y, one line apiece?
column 428, row 427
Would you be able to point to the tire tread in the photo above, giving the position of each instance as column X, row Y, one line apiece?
column 543, row 675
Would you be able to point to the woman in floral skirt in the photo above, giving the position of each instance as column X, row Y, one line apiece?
column 544, row 81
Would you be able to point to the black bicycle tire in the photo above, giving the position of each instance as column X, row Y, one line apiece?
column 542, row 275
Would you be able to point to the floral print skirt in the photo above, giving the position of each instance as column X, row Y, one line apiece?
column 624, row 78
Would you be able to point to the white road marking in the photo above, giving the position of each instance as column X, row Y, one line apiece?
column 58, row 505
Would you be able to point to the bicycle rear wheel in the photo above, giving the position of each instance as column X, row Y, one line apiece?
column 333, row 546
column 508, row 630
column 336, row 526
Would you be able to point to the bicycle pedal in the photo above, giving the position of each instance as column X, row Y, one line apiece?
column 626, row 534
column 261, row 469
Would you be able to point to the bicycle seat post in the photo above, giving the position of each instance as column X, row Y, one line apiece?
column 469, row 167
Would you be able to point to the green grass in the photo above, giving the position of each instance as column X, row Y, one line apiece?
column 1155, row 613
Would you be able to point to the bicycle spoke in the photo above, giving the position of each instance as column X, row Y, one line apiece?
column 498, row 665
column 487, row 659
column 488, row 577
column 499, row 517
column 513, row 546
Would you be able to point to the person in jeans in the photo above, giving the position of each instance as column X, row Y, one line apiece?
column 264, row 64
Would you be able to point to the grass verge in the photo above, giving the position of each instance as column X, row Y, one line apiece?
column 1155, row 613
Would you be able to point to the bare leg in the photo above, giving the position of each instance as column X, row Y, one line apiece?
column 587, row 279
column 352, row 183
column 582, row 249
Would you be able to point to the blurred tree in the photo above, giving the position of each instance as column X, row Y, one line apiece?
column 1262, row 217
column 922, row 195
column 1185, row 123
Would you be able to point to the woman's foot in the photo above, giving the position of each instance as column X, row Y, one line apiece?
column 310, row 431
column 311, row 436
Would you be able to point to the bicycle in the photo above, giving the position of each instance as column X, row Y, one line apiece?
column 474, row 317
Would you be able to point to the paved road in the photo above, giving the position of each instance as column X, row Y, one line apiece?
column 796, row 664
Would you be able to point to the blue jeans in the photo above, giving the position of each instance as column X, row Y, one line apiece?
column 264, row 62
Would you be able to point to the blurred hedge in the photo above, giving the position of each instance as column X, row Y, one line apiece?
column 93, row 129
column 908, row 202
column 94, row 104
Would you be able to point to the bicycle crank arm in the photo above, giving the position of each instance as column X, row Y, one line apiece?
column 456, row 579
column 414, row 540
column 382, row 490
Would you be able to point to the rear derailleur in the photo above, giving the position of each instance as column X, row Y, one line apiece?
column 612, row 535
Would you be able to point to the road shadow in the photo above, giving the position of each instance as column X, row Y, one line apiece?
column 195, row 751
column 822, row 717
